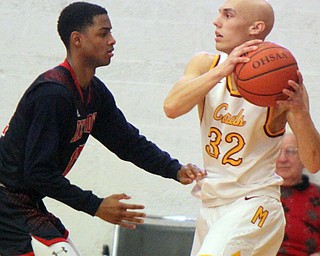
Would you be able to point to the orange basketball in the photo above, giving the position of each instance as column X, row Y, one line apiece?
column 262, row 79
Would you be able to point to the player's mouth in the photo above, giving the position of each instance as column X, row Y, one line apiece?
column 218, row 36
column 110, row 52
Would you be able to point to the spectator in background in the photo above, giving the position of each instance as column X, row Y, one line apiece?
column 301, row 203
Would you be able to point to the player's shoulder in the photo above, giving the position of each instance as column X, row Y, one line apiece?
column 48, row 87
column 205, row 60
column 100, row 87
column 204, row 57
column 47, row 90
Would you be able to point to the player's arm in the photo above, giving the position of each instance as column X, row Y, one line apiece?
column 191, row 89
column 122, row 138
column 301, row 124
column 199, row 79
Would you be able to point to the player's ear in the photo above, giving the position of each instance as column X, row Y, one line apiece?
column 257, row 28
column 75, row 39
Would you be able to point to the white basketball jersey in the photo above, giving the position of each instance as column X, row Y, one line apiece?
column 239, row 151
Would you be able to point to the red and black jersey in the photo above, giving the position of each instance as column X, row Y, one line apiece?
column 49, row 129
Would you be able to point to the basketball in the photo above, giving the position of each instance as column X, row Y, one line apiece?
column 262, row 79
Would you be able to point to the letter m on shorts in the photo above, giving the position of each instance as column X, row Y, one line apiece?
column 261, row 216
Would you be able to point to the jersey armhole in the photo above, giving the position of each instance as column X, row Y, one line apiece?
column 215, row 62
column 267, row 129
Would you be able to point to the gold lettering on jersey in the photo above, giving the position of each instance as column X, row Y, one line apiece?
column 221, row 114
column 84, row 126
column 260, row 215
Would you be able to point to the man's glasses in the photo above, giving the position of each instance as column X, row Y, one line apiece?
column 289, row 151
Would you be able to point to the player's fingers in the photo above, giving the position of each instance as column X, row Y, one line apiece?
column 300, row 78
column 252, row 42
column 128, row 225
column 131, row 206
column 190, row 172
column 295, row 86
column 197, row 171
column 129, row 219
column 201, row 174
column 134, row 218
column 248, row 47
column 121, row 196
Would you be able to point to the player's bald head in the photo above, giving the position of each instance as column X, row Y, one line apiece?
column 261, row 10
column 255, row 11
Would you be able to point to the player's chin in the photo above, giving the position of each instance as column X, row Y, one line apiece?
column 223, row 48
column 103, row 63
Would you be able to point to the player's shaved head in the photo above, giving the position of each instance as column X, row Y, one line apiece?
column 261, row 10
column 254, row 11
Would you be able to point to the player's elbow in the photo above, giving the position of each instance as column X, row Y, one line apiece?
column 313, row 170
column 313, row 166
column 169, row 111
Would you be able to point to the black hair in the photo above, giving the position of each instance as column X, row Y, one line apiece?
column 76, row 17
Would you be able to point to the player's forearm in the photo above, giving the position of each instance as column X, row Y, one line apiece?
column 308, row 140
column 59, row 188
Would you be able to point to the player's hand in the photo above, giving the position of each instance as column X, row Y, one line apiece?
column 190, row 172
column 297, row 101
column 116, row 212
column 238, row 56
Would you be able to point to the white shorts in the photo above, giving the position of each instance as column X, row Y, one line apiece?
column 246, row 227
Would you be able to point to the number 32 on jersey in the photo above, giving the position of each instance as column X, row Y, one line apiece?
column 235, row 140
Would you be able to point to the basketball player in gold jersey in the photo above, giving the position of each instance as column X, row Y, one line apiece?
column 241, row 213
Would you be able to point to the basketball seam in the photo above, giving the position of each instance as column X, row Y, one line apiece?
column 261, row 94
column 270, row 71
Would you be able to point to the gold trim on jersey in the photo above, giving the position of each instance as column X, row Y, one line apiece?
column 229, row 84
column 266, row 127
column 215, row 62
column 231, row 87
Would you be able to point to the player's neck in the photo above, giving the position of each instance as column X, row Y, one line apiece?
column 84, row 74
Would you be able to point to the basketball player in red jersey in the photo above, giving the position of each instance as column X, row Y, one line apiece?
column 48, row 131
column 241, row 213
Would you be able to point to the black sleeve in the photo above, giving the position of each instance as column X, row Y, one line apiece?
column 123, row 139
column 48, row 112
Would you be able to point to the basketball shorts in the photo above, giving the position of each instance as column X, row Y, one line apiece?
column 250, row 226
column 20, row 218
